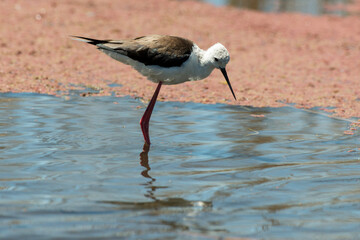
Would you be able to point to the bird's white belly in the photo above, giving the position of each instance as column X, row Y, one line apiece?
column 172, row 75
column 190, row 70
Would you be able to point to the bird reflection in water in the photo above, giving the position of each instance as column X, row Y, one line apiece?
column 165, row 202
column 144, row 161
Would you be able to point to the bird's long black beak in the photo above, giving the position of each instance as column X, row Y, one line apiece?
column 227, row 80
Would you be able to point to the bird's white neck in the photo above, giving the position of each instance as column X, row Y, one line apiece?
column 204, row 59
column 205, row 67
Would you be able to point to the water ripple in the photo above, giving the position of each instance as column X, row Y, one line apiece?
column 78, row 166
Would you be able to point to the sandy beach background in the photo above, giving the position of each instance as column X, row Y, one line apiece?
column 276, row 59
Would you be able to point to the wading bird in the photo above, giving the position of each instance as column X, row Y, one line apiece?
column 165, row 60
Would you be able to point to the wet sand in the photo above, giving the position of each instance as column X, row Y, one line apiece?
column 276, row 59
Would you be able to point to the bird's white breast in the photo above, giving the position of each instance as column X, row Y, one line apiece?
column 190, row 70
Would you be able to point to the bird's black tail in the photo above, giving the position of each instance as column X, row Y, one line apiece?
column 89, row 40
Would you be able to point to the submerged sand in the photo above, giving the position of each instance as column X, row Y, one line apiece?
column 276, row 59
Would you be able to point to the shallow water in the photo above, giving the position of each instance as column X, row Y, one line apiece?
column 313, row 7
column 75, row 168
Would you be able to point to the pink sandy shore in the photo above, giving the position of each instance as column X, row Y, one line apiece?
column 275, row 58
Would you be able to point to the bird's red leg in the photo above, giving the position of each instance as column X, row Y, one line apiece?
column 144, row 122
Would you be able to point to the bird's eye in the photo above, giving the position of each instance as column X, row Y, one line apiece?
column 216, row 59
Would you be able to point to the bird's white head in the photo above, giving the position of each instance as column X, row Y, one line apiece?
column 218, row 55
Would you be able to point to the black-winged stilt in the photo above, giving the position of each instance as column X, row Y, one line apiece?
column 164, row 60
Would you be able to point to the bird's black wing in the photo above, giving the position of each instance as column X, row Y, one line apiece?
column 164, row 51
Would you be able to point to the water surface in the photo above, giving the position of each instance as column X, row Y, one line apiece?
column 75, row 168
column 313, row 7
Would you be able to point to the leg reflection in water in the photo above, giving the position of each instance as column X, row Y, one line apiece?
column 144, row 161
column 165, row 201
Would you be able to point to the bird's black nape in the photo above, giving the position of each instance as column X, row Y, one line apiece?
column 89, row 40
